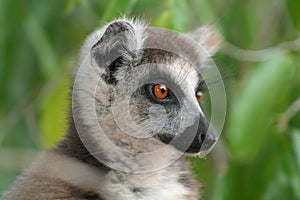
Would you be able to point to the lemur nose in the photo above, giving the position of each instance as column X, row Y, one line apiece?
column 201, row 137
column 206, row 136
column 207, row 140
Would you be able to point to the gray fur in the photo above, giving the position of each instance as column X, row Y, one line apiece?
column 84, row 165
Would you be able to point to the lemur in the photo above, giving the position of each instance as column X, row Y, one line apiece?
column 123, row 77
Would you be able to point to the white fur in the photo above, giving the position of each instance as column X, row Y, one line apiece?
column 113, row 185
column 68, row 169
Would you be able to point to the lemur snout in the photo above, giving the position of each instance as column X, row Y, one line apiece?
column 194, row 139
column 204, row 138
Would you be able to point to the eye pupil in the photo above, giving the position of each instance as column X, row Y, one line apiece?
column 163, row 89
column 160, row 91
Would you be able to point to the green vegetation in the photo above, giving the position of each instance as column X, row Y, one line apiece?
column 258, row 156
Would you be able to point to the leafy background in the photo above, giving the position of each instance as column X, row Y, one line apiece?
column 258, row 156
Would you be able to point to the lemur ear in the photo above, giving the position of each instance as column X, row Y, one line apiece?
column 117, row 39
column 208, row 37
column 118, row 45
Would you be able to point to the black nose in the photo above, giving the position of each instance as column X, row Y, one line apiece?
column 204, row 138
column 207, row 140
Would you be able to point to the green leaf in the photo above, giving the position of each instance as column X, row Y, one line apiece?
column 70, row 5
column 117, row 8
column 181, row 17
column 54, row 114
column 250, row 115
column 296, row 145
column 42, row 46
column 175, row 16
column 293, row 7
column 6, row 179
column 165, row 20
column 294, row 178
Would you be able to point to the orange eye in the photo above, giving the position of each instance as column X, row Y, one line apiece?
column 199, row 96
column 160, row 91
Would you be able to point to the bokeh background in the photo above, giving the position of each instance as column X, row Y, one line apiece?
column 258, row 156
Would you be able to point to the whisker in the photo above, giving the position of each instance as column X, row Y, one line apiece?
column 224, row 76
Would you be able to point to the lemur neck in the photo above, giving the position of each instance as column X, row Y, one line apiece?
column 72, row 146
column 175, row 179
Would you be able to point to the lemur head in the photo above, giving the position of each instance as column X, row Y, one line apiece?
column 138, row 88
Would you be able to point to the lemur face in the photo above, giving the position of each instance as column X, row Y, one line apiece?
column 164, row 100
column 146, row 87
column 163, row 89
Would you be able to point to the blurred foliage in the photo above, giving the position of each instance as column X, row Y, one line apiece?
column 258, row 156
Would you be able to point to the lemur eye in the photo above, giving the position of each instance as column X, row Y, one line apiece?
column 160, row 91
column 199, row 96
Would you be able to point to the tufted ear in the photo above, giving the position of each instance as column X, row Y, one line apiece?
column 117, row 46
column 208, row 37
